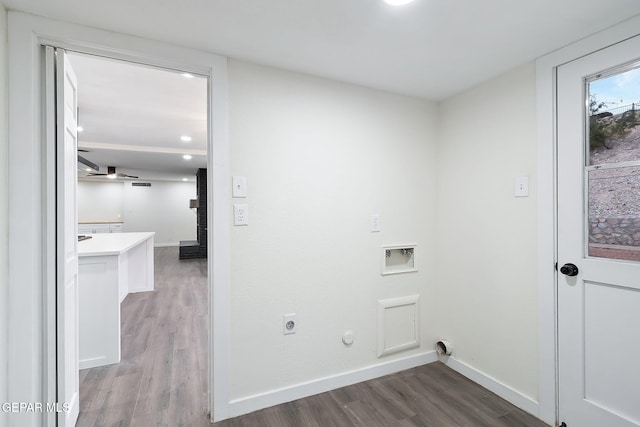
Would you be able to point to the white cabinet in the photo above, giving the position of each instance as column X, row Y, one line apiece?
column 113, row 227
column 110, row 266
column 93, row 228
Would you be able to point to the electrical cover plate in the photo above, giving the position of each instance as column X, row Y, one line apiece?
column 289, row 323
column 239, row 186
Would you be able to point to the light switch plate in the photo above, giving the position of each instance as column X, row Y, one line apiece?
column 375, row 223
column 240, row 214
column 522, row 186
column 239, row 186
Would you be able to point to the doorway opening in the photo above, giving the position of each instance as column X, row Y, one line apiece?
column 142, row 163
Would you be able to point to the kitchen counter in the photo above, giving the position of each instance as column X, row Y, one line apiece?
column 110, row 243
column 110, row 266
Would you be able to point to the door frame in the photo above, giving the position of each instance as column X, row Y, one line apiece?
column 32, row 200
column 546, row 90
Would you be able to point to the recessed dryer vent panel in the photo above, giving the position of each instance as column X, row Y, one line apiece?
column 399, row 259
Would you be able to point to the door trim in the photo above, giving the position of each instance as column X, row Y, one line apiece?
column 546, row 68
column 32, row 203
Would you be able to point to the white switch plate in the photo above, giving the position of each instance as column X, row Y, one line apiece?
column 240, row 214
column 239, row 186
column 522, row 186
column 375, row 223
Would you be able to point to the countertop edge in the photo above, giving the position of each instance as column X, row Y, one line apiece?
column 144, row 237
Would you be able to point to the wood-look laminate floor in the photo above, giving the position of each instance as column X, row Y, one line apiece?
column 428, row 396
column 162, row 377
column 161, row 380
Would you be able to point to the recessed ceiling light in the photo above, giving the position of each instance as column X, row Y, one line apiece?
column 88, row 169
column 397, row 2
column 185, row 138
column 187, row 75
column 80, row 128
column 185, row 179
column 187, row 157
column 112, row 176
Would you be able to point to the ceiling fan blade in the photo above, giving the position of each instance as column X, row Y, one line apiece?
column 124, row 175
column 86, row 163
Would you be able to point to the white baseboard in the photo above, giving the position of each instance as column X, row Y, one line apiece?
column 509, row 394
column 287, row 394
column 256, row 402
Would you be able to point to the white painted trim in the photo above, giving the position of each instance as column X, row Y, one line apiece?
column 547, row 276
column 219, row 239
column 298, row 391
column 547, row 253
column 50, row 201
column 29, row 306
column 29, row 196
column 509, row 394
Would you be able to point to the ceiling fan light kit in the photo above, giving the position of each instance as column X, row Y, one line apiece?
column 112, row 174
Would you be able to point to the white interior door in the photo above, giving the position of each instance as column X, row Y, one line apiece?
column 67, row 240
column 599, row 232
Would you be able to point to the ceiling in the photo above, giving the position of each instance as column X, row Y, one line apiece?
column 430, row 48
column 433, row 49
column 133, row 118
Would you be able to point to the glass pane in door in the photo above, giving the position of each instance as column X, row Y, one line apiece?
column 613, row 166
column 614, row 118
column 614, row 219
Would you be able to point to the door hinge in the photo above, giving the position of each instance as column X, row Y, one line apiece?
column 556, row 266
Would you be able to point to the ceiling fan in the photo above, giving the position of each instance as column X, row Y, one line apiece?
column 111, row 173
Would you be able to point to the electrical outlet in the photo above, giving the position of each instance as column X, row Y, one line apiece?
column 240, row 214
column 289, row 324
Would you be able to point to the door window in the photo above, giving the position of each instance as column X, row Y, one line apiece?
column 613, row 164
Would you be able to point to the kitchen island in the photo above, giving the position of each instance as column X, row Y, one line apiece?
column 110, row 266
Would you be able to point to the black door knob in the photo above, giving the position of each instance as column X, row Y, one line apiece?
column 569, row 269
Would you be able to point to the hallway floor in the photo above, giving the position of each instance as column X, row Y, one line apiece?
column 162, row 377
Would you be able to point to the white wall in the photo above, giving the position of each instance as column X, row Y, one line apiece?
column 100, row 201
column 163, row 208
column 320, row 157
column 4, row 227
column 486, row 289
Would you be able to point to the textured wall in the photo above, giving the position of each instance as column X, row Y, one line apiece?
column 320, row 157
column 486, row 289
